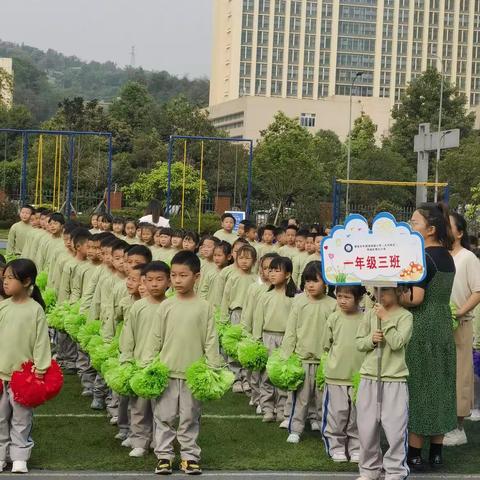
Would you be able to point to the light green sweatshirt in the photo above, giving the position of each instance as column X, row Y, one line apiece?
column 133, row 241
column 89, row 291
column 184, row 332
column 81, row 278
column 17, row 236
column 307, row 327
column 225, row 236
column 344, row 360
column 65, row 287
column 55, row 276
column 220, row 282
column 397, row 330
column 288, row 251
column 206, row 284
column 119, row 292
column 163, row 254
column 106, row 317
column 298, row 262
column 255, row 290
column 205, row 269
column 234, row 294
column 101, row 289
column 53, row 250
column 40, row 255
column 136, row 336
column 272, row 313
column 23, row 337
column 30, row 242
column 264, row 249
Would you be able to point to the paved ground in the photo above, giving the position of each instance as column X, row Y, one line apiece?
column 41, row 475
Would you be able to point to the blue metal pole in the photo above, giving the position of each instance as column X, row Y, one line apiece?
column 109, row 173
column 446, row 194
column 68, row 205
column 23, row 184
column 169, row 191
column 334, row 202
column 249, row 187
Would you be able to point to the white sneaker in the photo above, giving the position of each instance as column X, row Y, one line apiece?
column 339, row 457
column 121, row 436
column 354, row 458
column 258, row 411
column 19, row 466
column 127, row 443
column 2, row 466
column 137, row 452
column 113, row 420
column 237, row 387
column 293, row 438
column 315, row 426
column 285, row 423
column 475, row 415
column 455, row 438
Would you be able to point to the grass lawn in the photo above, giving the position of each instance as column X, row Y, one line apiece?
column 3, row 233
column 69, row 443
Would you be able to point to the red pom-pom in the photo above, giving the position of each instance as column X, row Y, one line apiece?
column 1, row 387
column 30, row 391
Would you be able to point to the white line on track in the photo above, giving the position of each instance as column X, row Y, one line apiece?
column 96, row 415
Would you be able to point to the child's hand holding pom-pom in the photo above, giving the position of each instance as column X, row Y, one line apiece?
column 285, row 373
column 207, row 383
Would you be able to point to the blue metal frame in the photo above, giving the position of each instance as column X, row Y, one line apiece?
column 215, row 139
column 71, row 134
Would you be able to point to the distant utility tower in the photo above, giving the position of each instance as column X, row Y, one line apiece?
column 132, row 56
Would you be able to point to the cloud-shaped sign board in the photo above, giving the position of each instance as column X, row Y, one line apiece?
column 390, row 252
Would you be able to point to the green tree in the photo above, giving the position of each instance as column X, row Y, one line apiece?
column 329, row 152
column 420, row 104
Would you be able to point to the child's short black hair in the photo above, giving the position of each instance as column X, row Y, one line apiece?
column 356, row 290
column 41, row 210
column 228, row 215
column 165, row 231
column 69, row 227
column 118, row 220
column 139, row 267
column 268, row 255
column 140, row 250
column 178, row 233
column 249, row 250
column 215, row 240
column 131, row 220
column 187, row 258
column 108, row 240
column 30, row 207
column 270, row 227
column 278, row 231
column 312, row 272
column 303, row 233
column 120, row 245
column 190, row 235
column 106, row 217
column 225, row 246
column 80, row 236
column 156, row 266
column 250, row 226
column 291, row 227
column 244, row 222
column 240, row 240
column 57, row 217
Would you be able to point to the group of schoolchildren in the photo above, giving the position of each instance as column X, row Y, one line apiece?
column 165, row 285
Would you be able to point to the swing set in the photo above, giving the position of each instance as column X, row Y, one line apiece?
column 72, row 137
column 202, row 140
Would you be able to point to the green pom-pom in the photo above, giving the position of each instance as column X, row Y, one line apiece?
column 356, row 384
column 86, row 332
column 287, row 374
column 73, row 322
column 320, row 378
column 222, row 322
column 252, row 354
column 10, row 256
column 99, row 352
column 111, row 362
column 41, row 281
column 50, row 299
column 94, row 343
column 170, row 293
column 207, row 383
column 151, row 381
column 56, row 316
column 453, row 311
column 118, row 378
column 231, row 337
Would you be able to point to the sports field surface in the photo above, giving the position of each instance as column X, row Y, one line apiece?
column 69, row 436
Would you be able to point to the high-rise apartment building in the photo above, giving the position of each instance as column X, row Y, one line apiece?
column 301, row 56
column 6, row 93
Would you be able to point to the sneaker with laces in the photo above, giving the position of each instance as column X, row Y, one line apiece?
column 121, row 436
column 251, row 403
column 114, row 420
column 237, row 387
column 86, row 392
column 97, row 404
column 314, row 426
column 258, row 411
column 164, row 467
column 3, row 465
column 339, row 457
column 284, row 424
column 137, row 452
column 293, row 438
column 355, row 457
column 127, row 443
column 455, row 438
column 268, row 417
column 190, row 467
column 246, row 387
column 19, row 466
column 474, row 416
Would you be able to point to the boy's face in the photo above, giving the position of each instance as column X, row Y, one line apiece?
column 251, row 234
column 245, row 262
column 67, row 241
column 290, row 236
column 107, row 256
column 157, row 283
column 219, row 257
column 177, row 242
column 241, row 230
column 207, row 249
column 55, row 227
column 25, row 215
column 35, row 220
column 134, row 279
column 146, row 235
column 318, row 242
column 82, row 249
column 228, row 224
column 118, row 260
column 93, row 249
column 165, row 240
column 183, row 279
column 133, row 260
column 346, row 302
column 300, row 243
column 44, row 222
column 281, row 238
column 130, row 230
column 310, row 245
column 268, row 237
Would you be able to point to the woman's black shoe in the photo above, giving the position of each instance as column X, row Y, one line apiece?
column 416, row 464
column 436, row 461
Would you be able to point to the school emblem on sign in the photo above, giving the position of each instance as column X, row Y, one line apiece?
column 390, row 252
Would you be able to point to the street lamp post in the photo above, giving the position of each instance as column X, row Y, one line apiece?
column 349, row 145
column 437, row 161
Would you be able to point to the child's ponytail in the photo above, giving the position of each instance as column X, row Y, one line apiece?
column 37, row 296
column 291, row 288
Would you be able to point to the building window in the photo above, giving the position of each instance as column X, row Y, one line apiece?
column 276, row 87
column 307, row 119
column 307, row 90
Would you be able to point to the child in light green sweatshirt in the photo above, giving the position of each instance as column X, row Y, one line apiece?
column 19, row 232
column 339, row 422
column 209, row 289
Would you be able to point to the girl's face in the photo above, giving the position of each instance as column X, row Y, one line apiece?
column 315, row 288
column 107, row 256
column 219, row 257
column 118, row 228
column 278, row 277
column 165, row 240
column 11, row 285
column 106, row 226
column 133, row 282
column 235, row 250
column 241, row 230
column 94, row 221
column 265, row 270
column 130, row 230
column 245, row 262
column 346, row 302
column 157, row 239
column 189, row 244
column 419, row 223
column 290, row 236
column 177, row 242
column 207, row 249
column 318, row 242
column 388, row 297
column 146, row 236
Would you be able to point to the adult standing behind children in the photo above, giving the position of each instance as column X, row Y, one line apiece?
column 465, row 297
column 431, row 354
column 154, row 215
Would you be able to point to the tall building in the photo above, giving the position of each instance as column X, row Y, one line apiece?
column 6, row 93
column 301, row 56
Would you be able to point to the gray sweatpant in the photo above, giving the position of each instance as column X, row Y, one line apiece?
column 124, row 414
column 339, row 421
column 15, row 428
column 141, row 422
column 234, row 365
column 177, row 402
column 66, row 351
column 394, row 421
column 86, row 371
column 271, row 398
column 302, row 400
